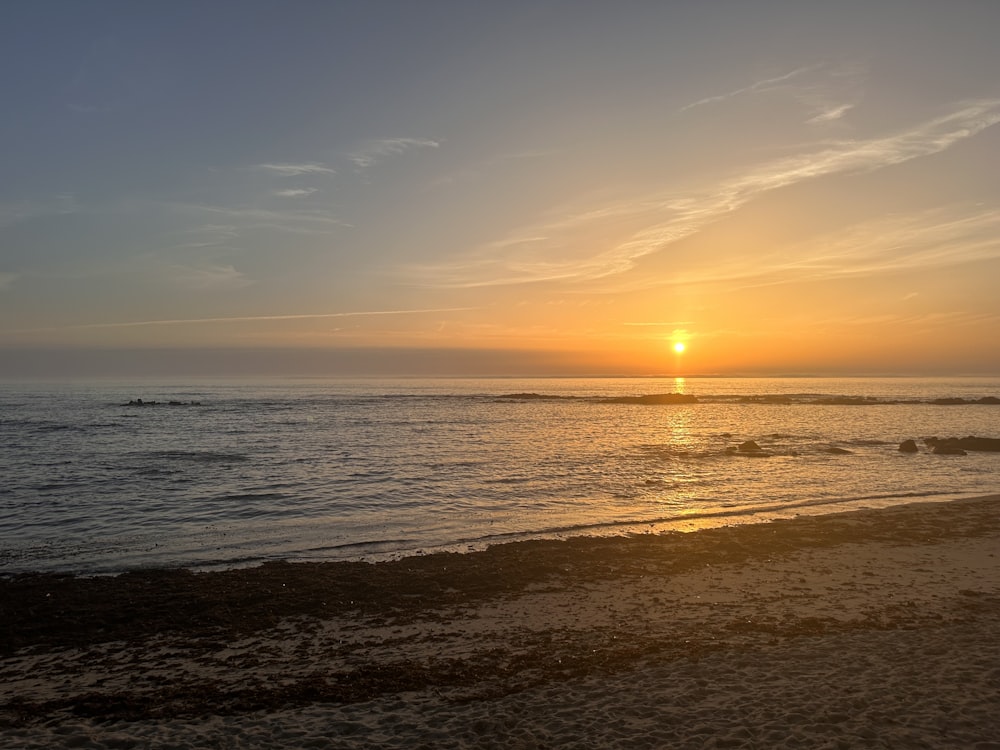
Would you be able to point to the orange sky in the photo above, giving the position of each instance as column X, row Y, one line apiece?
column 518, row 189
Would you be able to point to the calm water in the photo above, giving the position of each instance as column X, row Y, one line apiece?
column 241, row 472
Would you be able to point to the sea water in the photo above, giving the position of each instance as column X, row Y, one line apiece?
column 239, row 472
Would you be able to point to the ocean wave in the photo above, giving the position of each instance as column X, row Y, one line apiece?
column 191, row 456
column 727, row 514
column 41, row 426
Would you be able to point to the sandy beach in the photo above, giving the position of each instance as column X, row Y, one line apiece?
column 874, row 628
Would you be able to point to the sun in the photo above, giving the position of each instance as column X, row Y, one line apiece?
column 679, row 347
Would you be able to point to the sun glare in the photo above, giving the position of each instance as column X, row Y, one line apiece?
column 679, row 347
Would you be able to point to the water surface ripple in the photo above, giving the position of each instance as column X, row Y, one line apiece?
column 231, row 473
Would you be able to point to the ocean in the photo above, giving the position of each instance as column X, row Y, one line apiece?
column 214, row 474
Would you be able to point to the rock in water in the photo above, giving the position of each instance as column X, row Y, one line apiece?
column 948, row 449
column 952, row 445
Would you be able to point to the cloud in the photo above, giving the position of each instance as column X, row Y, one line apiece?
column 292, row 220
column 632, row 228
column 25, row 210
column 7, row 280
column 833, row 94
column 925, row 240
column 211, row 278
column 831, row 113
column 864, row 156
column 374, row 151
column 929, row 239
column 483, row 167
column 254, row 318
column 208, row 235
column 293, row 192
column 762, row 85
column 294, row 170
column 829, row 91
column 662, row 324
column 948, row 320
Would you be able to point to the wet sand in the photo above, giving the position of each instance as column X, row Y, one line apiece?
column 876, row 628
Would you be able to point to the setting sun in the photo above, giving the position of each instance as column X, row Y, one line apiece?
column 350, row 296
column 777, row 206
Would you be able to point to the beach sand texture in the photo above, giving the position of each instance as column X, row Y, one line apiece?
column 873, row 629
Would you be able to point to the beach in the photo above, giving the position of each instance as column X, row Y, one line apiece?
column 870, row 628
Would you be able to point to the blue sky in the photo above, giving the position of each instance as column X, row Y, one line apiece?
column 550, row 187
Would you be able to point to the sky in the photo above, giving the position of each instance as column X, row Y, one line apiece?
column 499, row 188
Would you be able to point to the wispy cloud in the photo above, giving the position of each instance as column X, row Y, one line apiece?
column 832, row 93
column 374, row 151
column 25, row 210
column 208, row 235
column 295, row 170
column 622, row 232
column 291, row 220
column 761, row 85
column 930, row 239
column 293, row 192
column 210, row 278
column 933, row 321
column 831, row 113
column 485, row 166
column 662, row 324
column 252, row 318
column 861, row 156
column 828, row 91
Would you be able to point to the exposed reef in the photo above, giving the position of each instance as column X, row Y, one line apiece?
column 767, row 400
column 970, row 443
column 750, row 449
column 534, row 397
column 656, row 398
column 953, row 446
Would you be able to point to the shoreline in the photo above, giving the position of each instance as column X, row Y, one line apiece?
column 583, row 622
column 706, row 518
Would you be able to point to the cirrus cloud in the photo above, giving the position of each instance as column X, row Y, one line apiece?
column 646, row 224
column 293, row 192
column 376, row 150
column 294, row 170
column 211, row 277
